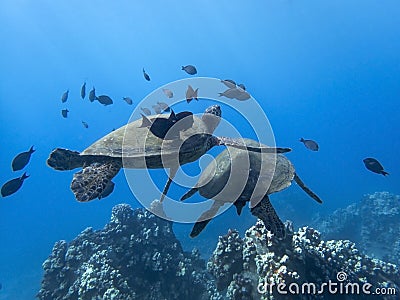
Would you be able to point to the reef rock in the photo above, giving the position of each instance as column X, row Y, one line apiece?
column 135, row 256
column 373, row 224
column 253, row 267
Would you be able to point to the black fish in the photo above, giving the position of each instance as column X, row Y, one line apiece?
column 13, row 185
column 146, row 76
column 64, row 97
column 104, row 99
column 107, row 190
column 191, row 70
column 161, row 127
column 64, row 113
column 128, row 100
column 21, row 160
column 85, row 124
column 373, row 165
column 92, row 95
column 83, row 90
column 310, row 144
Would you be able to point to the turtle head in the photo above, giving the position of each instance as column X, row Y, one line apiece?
column 212, row 117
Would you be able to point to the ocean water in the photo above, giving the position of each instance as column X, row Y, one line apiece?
column 325, row 70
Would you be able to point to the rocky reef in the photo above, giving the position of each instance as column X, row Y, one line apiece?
column 253, row 267
column 135, row 256
column 372, row 223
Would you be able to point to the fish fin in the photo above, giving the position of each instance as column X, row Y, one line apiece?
column 24, row 176
column 145, row 121
column 189, row 100
column 183, row 68
column 172, row 173
column 266, row 212
column 31, row 150
column 302, row 140
column 384, row 173
column 306, row 189
column 91, row 181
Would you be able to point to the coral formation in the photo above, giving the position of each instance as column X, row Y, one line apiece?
column 135, row 256
column 263, row 262
column 373, row 224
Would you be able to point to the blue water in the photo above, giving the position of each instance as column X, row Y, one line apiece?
column 326, row 70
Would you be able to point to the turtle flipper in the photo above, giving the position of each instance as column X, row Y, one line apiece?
column 306, row 189
column 91, row 182
column 238, row 143
column 172, row 173
column 205, row 219
column 64, row 159
column 189, row 193
column 266, row 212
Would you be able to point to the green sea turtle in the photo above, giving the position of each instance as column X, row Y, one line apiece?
column 237, row 176
column 134, row 146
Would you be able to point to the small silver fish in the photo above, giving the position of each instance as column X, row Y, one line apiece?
column 146, row 76
column 191, row 94
column 83, row 90
column 191, row 70
column 128, row 100
column 85, row 124
column 64, row 97
column 168, row 93
column 92, row 95
column 64, row 113
column 146, row 111
column 310, row 144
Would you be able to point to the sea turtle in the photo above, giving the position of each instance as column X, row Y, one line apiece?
column 134, row 146
column 237, row 176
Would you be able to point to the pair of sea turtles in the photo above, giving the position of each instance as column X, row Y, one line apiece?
column 135, row 146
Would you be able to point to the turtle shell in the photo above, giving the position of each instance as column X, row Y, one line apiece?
column 139, row 148
column 245, row 175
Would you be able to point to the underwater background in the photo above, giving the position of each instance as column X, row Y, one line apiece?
column 324, row 70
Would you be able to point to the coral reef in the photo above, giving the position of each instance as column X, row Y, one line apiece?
column 135, row 256
column 261, row 263
column 373, row 224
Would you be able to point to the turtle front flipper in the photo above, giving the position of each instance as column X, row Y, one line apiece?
column 266, row 212
column 172, row 173
column 205, row 219
column 306, row 189
column 91, row 182
column 238, row 143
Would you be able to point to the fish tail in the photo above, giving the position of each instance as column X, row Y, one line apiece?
column 384, row 173
column 301, row 140
column 31, row 150
column 189, row 100
column 24, row 176
column 220, row 94
column 183, row 68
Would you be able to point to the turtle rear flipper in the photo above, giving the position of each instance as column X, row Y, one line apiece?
column 205, row 218
column 266, row 212
column 91, row 182
column 64, row 159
